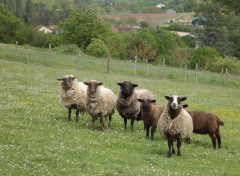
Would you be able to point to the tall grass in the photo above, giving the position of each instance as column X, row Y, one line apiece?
column 37, row 139
column 57, row 59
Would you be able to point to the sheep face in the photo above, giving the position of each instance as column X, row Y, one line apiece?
column 126, row 88
column 67, row 81
column 175, row 101
column 92, row 86
column 146, row 104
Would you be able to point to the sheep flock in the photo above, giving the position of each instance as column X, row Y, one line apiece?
column 172, row 121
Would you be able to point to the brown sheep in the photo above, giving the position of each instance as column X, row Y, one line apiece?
column 207, row 123
column 150, row 114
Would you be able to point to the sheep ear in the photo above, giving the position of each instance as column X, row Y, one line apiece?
column 140, row 100
column 59, row 79
column 99, row 84
column 167, row 97
column 183, row 98
column 120, row 84
column 135, row 85
column 185, row 105
column 86, row 83
column 153, row 101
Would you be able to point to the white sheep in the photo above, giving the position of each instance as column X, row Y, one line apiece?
column 73, row 94
column 101, row 102
column 175, row 123
column 127, row 104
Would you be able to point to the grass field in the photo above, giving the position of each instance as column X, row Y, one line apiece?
column 37, row 139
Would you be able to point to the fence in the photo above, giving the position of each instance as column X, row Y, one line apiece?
column 54, row 58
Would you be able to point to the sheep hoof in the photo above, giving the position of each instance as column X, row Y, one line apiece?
column 179, row 154
column 169, row 155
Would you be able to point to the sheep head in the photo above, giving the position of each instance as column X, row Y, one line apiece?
column 146, row 104
column 93, row 85
column 67, row 81
column 126, row 88
column 175, row 101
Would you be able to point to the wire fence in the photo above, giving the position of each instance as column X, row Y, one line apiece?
column 81, row 62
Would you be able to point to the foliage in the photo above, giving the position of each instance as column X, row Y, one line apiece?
column 142, row 44
column 205, row 57
column 82, row 26
column 97, row 48
column 179, row 27
column 182, row 56
column 10, row 27
column 231, row 63
column 189, row 41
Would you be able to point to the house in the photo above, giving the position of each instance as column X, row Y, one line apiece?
column 44, row 29
column 160, row 5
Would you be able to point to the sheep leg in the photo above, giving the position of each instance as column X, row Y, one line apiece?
column 102, row 122
column 213, row 137
column 218, row 138
column 179, row 143
column 132, row 122
column 125, row 123
column 152, row 133
column 77, row 113
column 109, row 121
column 173, row 150
column 170, row 142
column 147, row 130
column 69, row 114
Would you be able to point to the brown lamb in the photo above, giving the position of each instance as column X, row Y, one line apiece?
column 150, row 114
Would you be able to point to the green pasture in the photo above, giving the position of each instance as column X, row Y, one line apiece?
column 37, row 139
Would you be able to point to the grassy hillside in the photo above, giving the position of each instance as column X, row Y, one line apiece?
column 37, row 139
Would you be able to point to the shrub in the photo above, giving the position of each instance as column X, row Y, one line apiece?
column 204, row 56
column 231, row 63
column 97, row 48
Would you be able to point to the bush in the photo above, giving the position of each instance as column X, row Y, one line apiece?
column 231, row 63
column 97, row 48
column 204, row 56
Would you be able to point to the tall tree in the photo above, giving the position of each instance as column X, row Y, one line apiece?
column 82, row 26
column 29, row 12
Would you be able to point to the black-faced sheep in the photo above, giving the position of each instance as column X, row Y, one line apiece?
column 73, row 95
column 151, row 114
column 207, row 123
column 101, row 102
column 175, row 123
column 127, row 104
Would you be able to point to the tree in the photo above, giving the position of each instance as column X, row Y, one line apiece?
column 29, row 12
column 82, row 26
column 97, row 48
column 204, row 56
column 189, row 5
column 10, row 26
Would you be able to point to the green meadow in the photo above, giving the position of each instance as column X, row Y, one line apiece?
column 37, row 139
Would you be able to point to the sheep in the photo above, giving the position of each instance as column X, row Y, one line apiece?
column 175, row 123
column 73, row 94
column 206, row 123
column 101, row 102
column 127, row 104
column 151, row 114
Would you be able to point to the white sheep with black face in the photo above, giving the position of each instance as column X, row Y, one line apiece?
column 101, row 102
column 73, row 94
column 175, row 123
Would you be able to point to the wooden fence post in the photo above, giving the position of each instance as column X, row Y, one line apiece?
column 108, row 61
column 135, row 66
column 185, row 73
column 196, row 75
column 16, row 52
column 164, row 71
column 222, row 74
column 146, row 69
column 49, row 53
column 78, row 61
